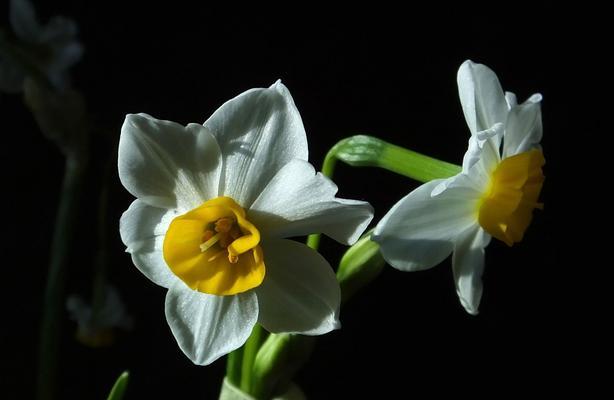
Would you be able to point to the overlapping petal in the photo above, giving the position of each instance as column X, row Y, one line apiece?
column 420, row 230
column 524, row 127
column 297, row 202
column 468, row 266
column 167, row 165
column 142, row 229
column 481, row 96
column 301, row 293
column 258, row 132
column 207, row 327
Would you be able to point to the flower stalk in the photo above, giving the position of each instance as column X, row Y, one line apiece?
column 369, row 151
column 53, row 301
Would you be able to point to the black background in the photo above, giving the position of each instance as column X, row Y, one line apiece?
column 387, row 73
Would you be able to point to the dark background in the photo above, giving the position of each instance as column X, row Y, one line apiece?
column 388, row 73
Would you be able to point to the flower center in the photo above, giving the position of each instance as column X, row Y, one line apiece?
column 214, row 249
column 506, row 208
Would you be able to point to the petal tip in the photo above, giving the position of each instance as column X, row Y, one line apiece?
column 280, row 88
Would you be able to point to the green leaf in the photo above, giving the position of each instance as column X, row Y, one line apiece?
column 117, row 392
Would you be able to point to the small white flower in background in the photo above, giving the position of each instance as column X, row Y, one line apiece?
column 51, row 48
column 494, row 195
column 98, row 329
column 214, row 204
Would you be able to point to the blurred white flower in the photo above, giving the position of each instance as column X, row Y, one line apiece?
column 214, row 202
column 494, row 195
column 50, row 48
column 98, row 328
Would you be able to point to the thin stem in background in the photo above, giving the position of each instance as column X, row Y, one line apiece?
column 53, row 301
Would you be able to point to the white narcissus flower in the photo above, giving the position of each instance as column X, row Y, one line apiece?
column 51, row 48
column 214, row 204
column 494, row 195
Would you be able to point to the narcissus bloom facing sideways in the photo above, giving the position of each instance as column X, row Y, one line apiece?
column 494, row 195
column 214, row 204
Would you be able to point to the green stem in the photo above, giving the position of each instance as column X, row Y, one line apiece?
column 328, row 168
column 56, row 280
column 250, row 349
column 279, row 358
column 359, row 266
column 282, row 355
column 415, row 165
column 369, row 151
column 234, row 363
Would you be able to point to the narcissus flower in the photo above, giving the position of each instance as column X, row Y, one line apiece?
column 214, row 204
column 493, row 196
column 51, row 48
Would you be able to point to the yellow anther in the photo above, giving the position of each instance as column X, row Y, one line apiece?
column 223, row 225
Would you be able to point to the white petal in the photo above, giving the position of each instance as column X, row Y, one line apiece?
column 481, row 158
column 468, row 266
column 524, row 127
column 481, row 96
column 59, row 31
column 166, row 164
column 23, row 21
column 258, row 131
column 142, row 229
column 297, row 202
column 511, row 100
column 420, row 230
column 300, row 293
column 207, row 327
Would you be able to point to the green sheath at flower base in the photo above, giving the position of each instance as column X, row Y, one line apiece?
column 369, row 151
column 360, row 264
column 280, row 356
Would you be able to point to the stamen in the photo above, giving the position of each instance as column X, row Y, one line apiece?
column 223, row 225
column 233, row 259
column 205, row 246
column 207, row 235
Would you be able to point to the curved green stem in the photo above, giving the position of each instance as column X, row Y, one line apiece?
column 369, row 151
